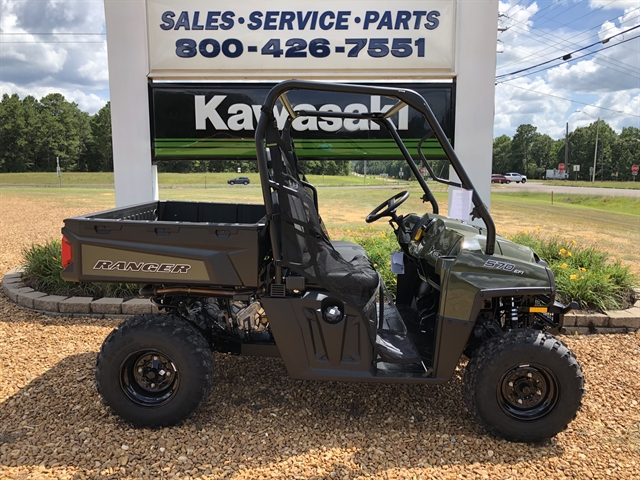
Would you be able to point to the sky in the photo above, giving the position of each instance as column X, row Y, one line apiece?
column 51, row 46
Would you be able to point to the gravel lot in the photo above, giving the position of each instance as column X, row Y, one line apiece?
column 258, row 423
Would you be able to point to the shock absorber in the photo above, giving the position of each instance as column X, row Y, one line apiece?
column 514, row 314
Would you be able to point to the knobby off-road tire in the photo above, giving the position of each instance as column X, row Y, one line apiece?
column 525, row 386
column 154, row 370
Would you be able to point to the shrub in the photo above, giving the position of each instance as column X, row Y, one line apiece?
column 42, row 267
column 583, row 273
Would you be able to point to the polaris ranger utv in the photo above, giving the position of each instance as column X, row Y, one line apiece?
column 268, row 280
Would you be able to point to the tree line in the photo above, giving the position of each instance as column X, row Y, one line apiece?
column 34, row 133
column 532, row 153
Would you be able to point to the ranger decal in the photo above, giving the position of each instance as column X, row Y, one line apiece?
column 142, row 267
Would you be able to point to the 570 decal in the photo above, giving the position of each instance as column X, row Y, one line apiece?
column 301, row 48
column 508, row 267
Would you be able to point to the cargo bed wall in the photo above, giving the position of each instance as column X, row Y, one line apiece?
column 186, row 243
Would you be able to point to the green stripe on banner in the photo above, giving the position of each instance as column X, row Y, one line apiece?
column 308, row 149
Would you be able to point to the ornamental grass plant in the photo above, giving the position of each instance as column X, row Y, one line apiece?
column 42, row 267
column 583, row 273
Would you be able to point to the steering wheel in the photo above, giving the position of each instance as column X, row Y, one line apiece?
column 388, row 207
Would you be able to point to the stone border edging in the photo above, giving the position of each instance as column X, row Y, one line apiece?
column 617, row 321
column 61, row 306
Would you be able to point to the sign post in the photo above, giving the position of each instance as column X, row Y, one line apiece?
column 576, row 168
column 634, row 171
column 58, row 173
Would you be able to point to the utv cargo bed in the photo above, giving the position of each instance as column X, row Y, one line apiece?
column 168, row 242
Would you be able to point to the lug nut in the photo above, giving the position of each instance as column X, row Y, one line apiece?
column 153, row 385
column 139, row 370
column 511, row 384
column 529, row 375
column 519, row 400
column 155, row 358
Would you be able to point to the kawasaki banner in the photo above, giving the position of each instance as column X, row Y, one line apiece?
column 217, row 121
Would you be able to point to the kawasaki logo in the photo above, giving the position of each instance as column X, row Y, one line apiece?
column 142, row 267
column 242, row 116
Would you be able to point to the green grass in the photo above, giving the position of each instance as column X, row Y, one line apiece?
column 168, row 179
column 626, row 205
column 597, row 184
column 42, row 267
column 50, row 178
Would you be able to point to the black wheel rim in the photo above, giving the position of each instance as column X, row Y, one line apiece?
column 528, row 392
column 149, row 378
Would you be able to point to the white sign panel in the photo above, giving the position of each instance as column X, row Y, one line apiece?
column 301, row 39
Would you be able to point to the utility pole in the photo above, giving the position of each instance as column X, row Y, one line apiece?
column 566, row 148
column 365, row 172
column 595, row 152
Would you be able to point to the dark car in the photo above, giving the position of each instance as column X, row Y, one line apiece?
column 496, row 178
column 242, row 180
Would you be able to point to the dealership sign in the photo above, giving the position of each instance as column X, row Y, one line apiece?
column 209, row 121
column 303, row 39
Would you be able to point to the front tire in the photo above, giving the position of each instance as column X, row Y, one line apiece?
column 524, row 180
column 525, row 386
column 154, row 370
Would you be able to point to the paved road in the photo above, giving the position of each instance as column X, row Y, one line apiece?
column 542, row 188
column 513, row 187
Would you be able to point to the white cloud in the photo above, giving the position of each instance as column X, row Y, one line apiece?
column 615, row 5
column 529, row 104
column 88, row 102
column 36, row 54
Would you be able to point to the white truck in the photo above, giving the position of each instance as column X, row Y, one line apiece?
column 516, row 177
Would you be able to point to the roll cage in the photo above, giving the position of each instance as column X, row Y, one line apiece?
column 267, row 137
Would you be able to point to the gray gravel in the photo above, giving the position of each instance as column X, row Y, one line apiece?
column 258, row 423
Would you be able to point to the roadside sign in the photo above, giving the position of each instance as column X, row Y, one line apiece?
column 634, row 169
column 561, row 167
column 576, row 168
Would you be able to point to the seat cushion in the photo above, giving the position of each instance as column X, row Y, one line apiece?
column 348, row 250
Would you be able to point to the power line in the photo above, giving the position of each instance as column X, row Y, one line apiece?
column 572, row 59
column 610, row 63
column 527, row 33
column 567, row 56
column 573, row 101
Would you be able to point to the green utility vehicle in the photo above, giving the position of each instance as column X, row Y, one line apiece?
column 267, row 280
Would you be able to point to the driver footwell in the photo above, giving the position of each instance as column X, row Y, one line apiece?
column 402, row 344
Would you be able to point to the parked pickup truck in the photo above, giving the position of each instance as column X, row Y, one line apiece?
column 267, row 280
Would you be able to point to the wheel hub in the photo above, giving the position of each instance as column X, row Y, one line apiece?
column 153, row 372
column 149, row 378
column 528, row 392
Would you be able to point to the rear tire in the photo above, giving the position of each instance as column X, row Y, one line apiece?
column 245, row 183
column 154, row 370
column 525, row 386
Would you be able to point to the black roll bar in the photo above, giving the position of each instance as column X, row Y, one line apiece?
column 404, row 96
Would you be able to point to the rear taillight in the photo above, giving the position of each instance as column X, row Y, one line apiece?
column 67, row 253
